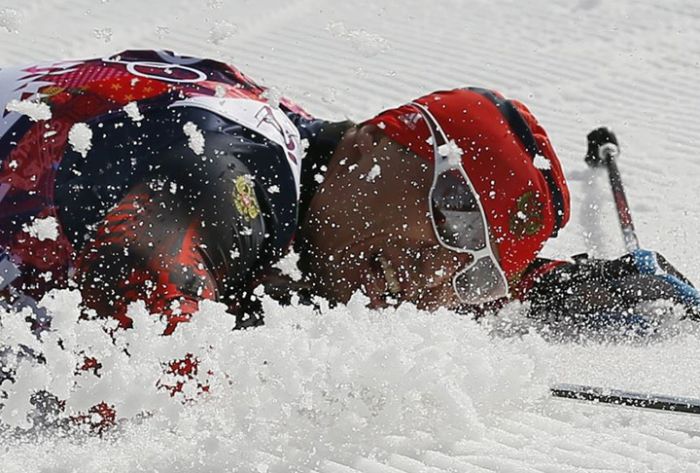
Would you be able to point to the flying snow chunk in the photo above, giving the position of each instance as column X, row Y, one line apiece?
column 162, row 31
column 80, row 138
column 10, row 19
column 42, row 228
column 451, row 151
column 34, row 110
column 288, row 266
column 221, row 31
column 374, row 173
column 105, row 34
column 366, row 43
column 541, row 162
column 304, row 147
column 132, row 110
column 196, row 137
column 273, row 96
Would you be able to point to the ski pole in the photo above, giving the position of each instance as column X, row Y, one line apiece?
column 626, row 398
column 603, row 150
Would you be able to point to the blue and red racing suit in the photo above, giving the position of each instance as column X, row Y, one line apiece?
column 188, row 188
column 189, row 181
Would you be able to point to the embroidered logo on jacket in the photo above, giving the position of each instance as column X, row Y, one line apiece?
column 527, row 220
column 244, row 198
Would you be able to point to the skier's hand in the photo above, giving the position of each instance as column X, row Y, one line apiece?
column 594, row 286
column 647, row 275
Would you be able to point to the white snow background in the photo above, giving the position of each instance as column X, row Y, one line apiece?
column 355, row 390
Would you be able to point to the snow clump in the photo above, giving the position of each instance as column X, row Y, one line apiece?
column 80, row 138
column 43, row 228
column 196, row 137
column 374, row 173
column 366, row 43
column 221, row 31
column 34, row 110
column 105, row 34
column 310, row 384
column 132, row 110
column 10, row 19
column 273, row 96
column 452, row 152
column 288, row 266
column 541, row 162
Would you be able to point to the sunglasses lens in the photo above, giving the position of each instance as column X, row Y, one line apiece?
column 456, row 212
column 480, row 282
column 460, row 225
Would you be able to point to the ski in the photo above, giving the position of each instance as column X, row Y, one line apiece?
column 626, row 398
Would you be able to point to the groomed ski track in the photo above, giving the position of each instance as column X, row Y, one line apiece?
column 631, row 65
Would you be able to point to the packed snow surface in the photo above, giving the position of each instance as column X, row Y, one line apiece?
column 399, row 390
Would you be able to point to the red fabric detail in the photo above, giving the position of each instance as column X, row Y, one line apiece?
column 498, row 165
column 187, row 370
column 87, row 73
column 29, row 170
column 99, row 418
column 135, row 266
column 80, row 91
column 124, row 89
column 185, row 367
column 43, row 263
column 91, row 364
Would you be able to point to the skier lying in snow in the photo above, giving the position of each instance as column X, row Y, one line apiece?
column 156, row 177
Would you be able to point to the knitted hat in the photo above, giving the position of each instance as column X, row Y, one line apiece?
column 508, row 158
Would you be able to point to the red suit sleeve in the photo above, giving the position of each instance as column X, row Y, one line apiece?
column 149, row 247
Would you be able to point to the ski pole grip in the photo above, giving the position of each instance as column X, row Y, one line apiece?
column 603, row 150
column 602, row 145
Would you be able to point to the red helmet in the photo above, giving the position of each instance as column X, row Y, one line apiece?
column 507, row 156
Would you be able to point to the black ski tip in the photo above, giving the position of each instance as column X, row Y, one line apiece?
column 596, row 140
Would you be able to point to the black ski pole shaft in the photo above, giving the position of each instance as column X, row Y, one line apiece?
column 626, row 398
column 603, row 150
column 623, row 209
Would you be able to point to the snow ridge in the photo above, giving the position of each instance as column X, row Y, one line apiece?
column 628, row 65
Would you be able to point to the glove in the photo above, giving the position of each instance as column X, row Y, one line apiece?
column 671, row 284
column 595, row 287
